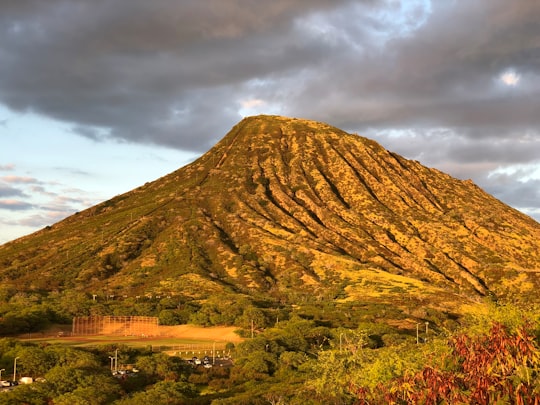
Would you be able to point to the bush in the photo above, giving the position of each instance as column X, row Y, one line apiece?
column 500, row 367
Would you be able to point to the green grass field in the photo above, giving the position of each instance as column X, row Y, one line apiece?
column 186, row 348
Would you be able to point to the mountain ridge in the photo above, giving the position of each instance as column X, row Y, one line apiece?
column 282, row 205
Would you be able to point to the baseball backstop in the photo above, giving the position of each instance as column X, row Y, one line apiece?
column 116, row 325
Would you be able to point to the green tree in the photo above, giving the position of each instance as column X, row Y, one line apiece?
column 70, row 357
column 292, row 360
column 70, row 303
column 161, row 366
column 34, row 361
column 25, row 394
column 90, row 394
column 163, row 392
column 169, row 317
column 71, row 383
column 252, row 316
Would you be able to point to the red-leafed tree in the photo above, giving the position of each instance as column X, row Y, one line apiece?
column 499, row 368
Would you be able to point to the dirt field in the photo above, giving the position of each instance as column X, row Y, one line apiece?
column 214, row 333
column 184, row 332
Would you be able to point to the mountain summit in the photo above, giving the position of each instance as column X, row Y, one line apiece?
column 286, row 207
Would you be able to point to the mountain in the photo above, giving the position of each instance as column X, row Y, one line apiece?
column 289, row 208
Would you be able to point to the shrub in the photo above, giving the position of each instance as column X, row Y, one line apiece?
column 500, row 367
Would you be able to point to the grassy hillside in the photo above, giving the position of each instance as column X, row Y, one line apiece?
column 290, row 211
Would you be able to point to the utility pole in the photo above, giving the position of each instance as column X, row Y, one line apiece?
column 417, row 334
column 427, row 331
column 15, row 369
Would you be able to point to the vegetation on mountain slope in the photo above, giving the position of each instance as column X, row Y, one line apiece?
column 285, row 212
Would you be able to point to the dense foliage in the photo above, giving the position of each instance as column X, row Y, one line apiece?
column 493, row 358
column 29, row 312
column 498, row 368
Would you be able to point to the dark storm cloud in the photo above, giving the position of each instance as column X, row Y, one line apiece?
column 146, row 71
column 483, row 160
column 149, row 71
column 440, row 144
column 455, row 85
column 523, row 195
column 446, row 73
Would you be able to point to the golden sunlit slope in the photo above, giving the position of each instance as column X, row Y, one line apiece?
column 281, row 206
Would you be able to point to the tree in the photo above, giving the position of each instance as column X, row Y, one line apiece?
column 71, row 357
column 292, row 360
column 164, row 392
column 169, row 317
column 252, row 317
column 89, row 395
column 34, row 361
column 25, row 394
column 93, row 385
column 294, row 334
column 160, row 366
column 70, row 303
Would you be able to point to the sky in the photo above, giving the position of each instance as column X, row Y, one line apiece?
column 98, row 97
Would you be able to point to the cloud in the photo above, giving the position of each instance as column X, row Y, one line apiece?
column 33, row 203
column 66, row 203
column 40, row 220
column 15, row 205
column 20, row 180
column 157, row 73
column 510, row 78
column 453, row 84
column 439, row 76
column 7, row 167
column 253, row 102
column 123, row 74
column 510, row 187
column 8, row 191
